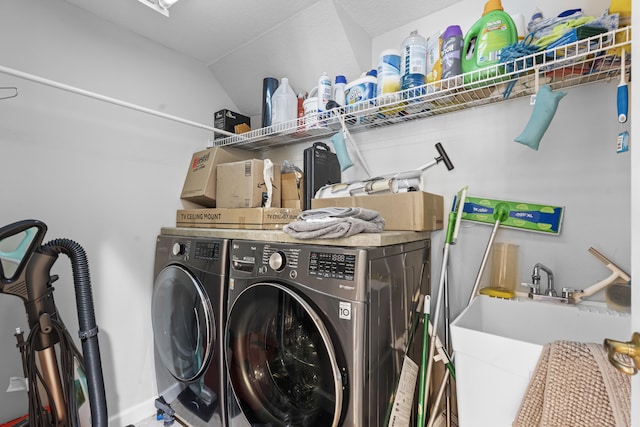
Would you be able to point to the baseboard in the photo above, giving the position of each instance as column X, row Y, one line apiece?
column 134, row 414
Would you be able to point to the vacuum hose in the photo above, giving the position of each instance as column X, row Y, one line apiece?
column 87, row 323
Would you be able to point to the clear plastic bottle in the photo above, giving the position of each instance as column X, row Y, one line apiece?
column 413, row 67
column 324, row 92
column 284, row 103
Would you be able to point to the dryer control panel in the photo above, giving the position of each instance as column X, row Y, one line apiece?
column 207, row 250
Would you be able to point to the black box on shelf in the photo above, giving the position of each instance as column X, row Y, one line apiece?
column 231, row 122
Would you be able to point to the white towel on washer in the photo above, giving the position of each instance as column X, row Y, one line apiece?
column 334, row 222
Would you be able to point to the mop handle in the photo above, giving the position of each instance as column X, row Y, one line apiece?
column 436, row 403
column 422, row 405
column 623, row 92
column 483, row 264
column 451, row 231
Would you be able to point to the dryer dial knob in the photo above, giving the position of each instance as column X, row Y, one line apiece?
column 178, row 249
column 277, row 261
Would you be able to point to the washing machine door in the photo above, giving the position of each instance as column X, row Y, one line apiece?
column 183, row 323
column 281, row 361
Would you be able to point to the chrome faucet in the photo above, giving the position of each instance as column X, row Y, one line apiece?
column 550, row 291
column 549, row 294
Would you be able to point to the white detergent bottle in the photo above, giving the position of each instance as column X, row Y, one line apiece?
column 284, row 103
column 338, row 90
column 324, row 92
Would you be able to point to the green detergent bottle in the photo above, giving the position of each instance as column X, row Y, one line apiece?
column 484, row 41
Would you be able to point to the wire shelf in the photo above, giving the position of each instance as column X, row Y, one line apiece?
column 590, row 60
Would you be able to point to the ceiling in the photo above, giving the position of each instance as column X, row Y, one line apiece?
column 218, row 33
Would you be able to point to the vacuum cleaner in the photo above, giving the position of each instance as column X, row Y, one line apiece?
column 54, row 386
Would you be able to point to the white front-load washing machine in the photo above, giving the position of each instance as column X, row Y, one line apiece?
column 315, row 335
column 188, row 313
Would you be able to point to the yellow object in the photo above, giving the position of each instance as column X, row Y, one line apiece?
column 498, row 293
column 492, row 5
column 435, row 73
column 504, row 271
column 434, row 61
column 623, row 8
column 504, row 266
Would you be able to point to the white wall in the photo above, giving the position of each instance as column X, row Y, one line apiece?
column 104, row 176
column 109, row 178
column 576, row 167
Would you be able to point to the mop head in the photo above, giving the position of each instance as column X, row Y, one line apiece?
column 543, row 112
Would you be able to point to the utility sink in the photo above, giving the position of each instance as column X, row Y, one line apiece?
column 497, row 343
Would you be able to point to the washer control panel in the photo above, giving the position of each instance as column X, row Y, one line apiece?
column 332, row 265
column 336, row 271
column 277, row 258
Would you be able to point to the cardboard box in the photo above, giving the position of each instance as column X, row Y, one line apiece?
column 249, row 218
column 292, row 204
column 414, row 210
column 200, row 183
column 241, row 185
column 231, row 122
column 292, row 190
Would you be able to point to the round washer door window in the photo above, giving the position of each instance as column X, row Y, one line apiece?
column 183, row 323
column 281, row 360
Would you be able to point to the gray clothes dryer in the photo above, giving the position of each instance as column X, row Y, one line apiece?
column 188, row 310
column 315, row 335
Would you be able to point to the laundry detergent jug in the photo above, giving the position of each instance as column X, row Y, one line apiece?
column 485, row 40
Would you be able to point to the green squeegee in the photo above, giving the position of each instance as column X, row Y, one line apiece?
column 520, row 215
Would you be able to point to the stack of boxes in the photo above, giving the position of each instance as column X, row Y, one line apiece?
column 230, row 189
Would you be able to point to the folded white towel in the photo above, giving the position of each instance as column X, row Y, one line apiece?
column 334, row 222
column 338, row 212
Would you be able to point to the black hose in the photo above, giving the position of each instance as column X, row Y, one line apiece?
column 88, row 329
